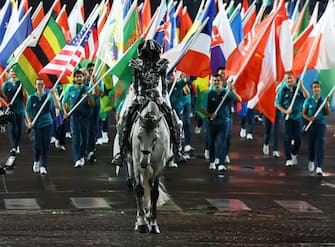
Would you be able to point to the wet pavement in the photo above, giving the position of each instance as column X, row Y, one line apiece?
column 257, row 202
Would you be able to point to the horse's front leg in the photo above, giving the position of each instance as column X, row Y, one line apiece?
column 154, row 198
column 142, row 224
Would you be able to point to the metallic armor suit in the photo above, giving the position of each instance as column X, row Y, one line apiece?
column 149, row 75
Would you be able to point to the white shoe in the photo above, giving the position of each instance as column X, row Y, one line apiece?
column 206, row 154
column 82, row 161
column 57, row 145
column 294, row 160
column 266, row 149
column 68, row 135
column 311, row 166
column 288, row 163
column 99, row 141
column 105, row 138
column 216, row 161
column 43, row 170
column 52, row 140
column 319, row 171
column 77, row 164
column 173, row 165
column 36, row 167
column 276, row 154
column 197, row 130
column 249, row 136
column 222, row 168
column 227, row 159
column 243, row 133
column 188, row 148
column 18, row 149
column 62, row 148
column 212, row 166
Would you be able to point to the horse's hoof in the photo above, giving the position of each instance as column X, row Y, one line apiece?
column 155, row 230
column 143, row 228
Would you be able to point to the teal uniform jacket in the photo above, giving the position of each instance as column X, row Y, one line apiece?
column 34, row 104
column 311, row 105
column 9, row 88
column 74, row 94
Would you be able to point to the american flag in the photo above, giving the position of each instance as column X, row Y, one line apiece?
column 71, row 54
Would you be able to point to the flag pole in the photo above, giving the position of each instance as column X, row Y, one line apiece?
column 233, row 79
column 309, row 58
column 320, row 108
column 14, row 97
column 89, row 25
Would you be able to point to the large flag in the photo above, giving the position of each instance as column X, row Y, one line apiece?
column 63, row 22
column 77, row 17
column 71, row 54
column 183, row 23
column 38, row 15
column 223, row 42
column 19, row 35
column 146, row 15
column 33, row 59
column 5, row 14
column 247, row 59
column 200, row 49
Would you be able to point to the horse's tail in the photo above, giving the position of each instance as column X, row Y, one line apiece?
column 164, row 197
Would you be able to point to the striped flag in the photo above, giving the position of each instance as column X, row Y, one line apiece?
column 70, row 55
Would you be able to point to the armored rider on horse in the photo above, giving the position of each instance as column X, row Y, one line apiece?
column 149, row 75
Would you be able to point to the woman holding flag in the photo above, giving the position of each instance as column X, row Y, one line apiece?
column 43, row 125
column 318, row 129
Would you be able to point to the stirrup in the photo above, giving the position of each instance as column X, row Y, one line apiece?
column 117, row 160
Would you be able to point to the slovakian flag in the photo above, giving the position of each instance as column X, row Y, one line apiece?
column 196, row 61
column 70, row 55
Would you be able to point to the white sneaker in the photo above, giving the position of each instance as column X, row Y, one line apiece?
column 243, row 133
column 105, row 138
column 188, row 148
column 197, row 130
column 18, row 149
column 249, row 136
column 82, row 161
column 68, row 135
column 212, row 166
column 62, row 148
column 53, row 139
column 216, row 161
column 294, row 160
column 99, row 141
column 43, row 170
column 276, row 154
column 311, row 166
column 206, row 154
column 288, row 163
column 57, row 145
column 77, row 164
column 319, row 171
column 36, row 167
column 173, row 165
column 227, row 159
column 222, row 168
column 266, row 149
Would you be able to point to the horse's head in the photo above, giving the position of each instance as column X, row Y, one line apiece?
column 148, row 134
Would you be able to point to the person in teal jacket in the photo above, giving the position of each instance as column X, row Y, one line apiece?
column 292, row 125
column 318, row 129
column 42, row 128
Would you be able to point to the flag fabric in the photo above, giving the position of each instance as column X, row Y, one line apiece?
column 302, row 21
column 249, row 20
column 200, row 49
column 5, row 14
column 223, row 41
column 23, row 8
column 183, row 23
column 33, row 59
column 76, row 17
column 92, row 44
column 63, row 22
column 70, row 55
column 124, row 74
column 131, row 28
column 12, row 24
column 246, row 60
column 19, row 35
column 38, row 15
column 146, row 15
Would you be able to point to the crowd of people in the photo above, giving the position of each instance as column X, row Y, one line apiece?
column 52, row 115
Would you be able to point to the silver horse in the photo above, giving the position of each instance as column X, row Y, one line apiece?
column 150, row 151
